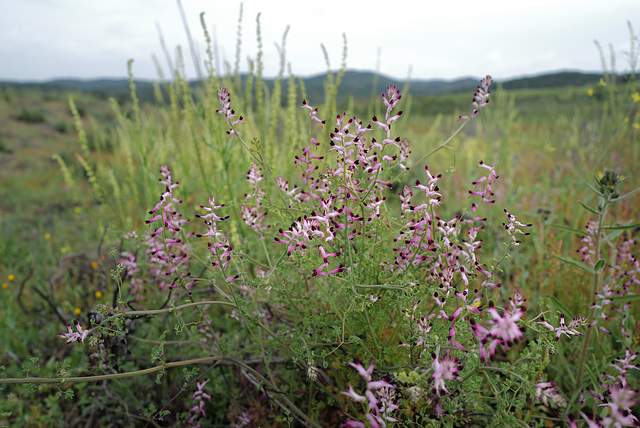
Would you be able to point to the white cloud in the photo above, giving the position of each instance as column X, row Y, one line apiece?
column 44, row 39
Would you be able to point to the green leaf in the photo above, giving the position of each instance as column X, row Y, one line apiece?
column 597, row 192
column 559, row 305
column 571, row 229
column 622, row 227
column 625, row 298
column 598, row 267
column 588, row 208
column 611, row 236
column 619, row 198
column 575, row 263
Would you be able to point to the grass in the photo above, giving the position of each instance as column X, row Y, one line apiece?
column 276, row 338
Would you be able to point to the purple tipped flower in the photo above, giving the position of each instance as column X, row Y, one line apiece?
column 447, row 369
column 74, row 336
column 225, row 109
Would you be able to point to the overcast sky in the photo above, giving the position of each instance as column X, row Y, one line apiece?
column 45, row 39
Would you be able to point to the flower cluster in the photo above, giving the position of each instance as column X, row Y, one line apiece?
column 513, row 228
column 481, row 97
column 379, row 396
column 198, row 410
column 167, row 252
column 74, row 336
column 567, row 330
column 252, row 215
column 502, row 329
column 225, row 109
column 616, row 394
column 445, row 369
column 218, row 243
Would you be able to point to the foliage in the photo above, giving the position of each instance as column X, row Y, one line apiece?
column 301, row 266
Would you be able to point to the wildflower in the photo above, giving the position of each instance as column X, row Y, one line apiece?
column 622, row 399
column 547, row 392
column 77, row 311
column 11, row 277
column 199, row 397
column 512, row 228
column 47, row 235
column 491, row 176
column 569, row 330
column 447, row 369
column 5, row 285
column 73, row 336
column 380, row 398
column 625, row 362
column 312, row 372
column 313, row 113
column 243, row 420
column 98, row 294
column 481, row 97
column 227, row 112
column 504, row 326
column 635, row 96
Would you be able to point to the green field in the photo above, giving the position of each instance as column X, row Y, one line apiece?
column 271, row 312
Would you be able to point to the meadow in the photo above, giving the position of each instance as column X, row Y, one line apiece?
column 234, row 255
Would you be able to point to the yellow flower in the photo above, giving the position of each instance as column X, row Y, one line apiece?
column 98, row 294
column 11, row 277
column 626, row 120
column 636, row 125
column 77, row 209
column 635, row 97
column 47, row 235
column 77, row 311
column 590, row 92
column 5, row 285
column 94, row 265
column 602, row 82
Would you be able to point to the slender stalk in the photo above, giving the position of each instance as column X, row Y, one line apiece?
column 597, row 284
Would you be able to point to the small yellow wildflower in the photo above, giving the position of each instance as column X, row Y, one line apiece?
column 602, row 82
column 77, row 311
column 98, row 294
column 626, row 120
column 5, row 285
column 94, row 265
column 590, row 92
column 11, row 277
column 130, row 202
column 47, row 235
column 636, row 125
column 77, row 209
column 635, row 97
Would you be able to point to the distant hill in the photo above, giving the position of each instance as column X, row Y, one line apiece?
column 354, row 83
column 554, row 80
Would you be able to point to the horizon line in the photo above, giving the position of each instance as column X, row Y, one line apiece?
column 308, row 76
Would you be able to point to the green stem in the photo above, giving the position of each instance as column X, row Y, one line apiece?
column 597, row 283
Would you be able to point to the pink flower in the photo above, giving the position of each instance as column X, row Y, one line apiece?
column 512, row 228
column 73, row 336
column 227, row 112
column 313, row 112
column 447, row 369
column 569, row 330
